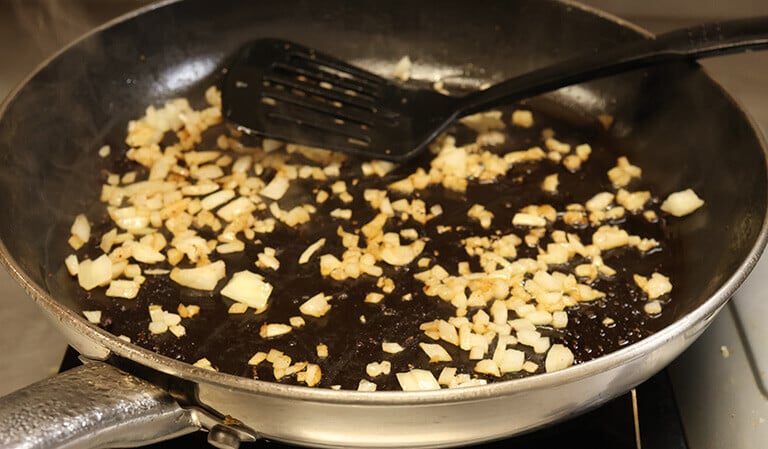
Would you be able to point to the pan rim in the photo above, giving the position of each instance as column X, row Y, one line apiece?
column 188, row 372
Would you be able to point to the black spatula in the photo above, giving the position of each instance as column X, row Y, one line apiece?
column 287, row 91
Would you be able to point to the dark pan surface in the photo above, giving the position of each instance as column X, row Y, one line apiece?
column 228, row 341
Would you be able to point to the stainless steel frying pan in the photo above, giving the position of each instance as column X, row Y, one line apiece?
column 673, row 120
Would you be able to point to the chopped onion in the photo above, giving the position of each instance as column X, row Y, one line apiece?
column 93, row 316
column 489, row 367
column 435, row 352
column 311, row 249
column 417, row 380
column 123, row 289
column 559, row 357
column 315, row 306
column 235, row 208
column 269, row 330
column 177, row 330
column 93, row 273
column 200, row 278
column 204, row 363
column 72, row 264
column 276, row 188
column 313, row 375
column 510, row 361
column 248, row 288
column 145, row 253
column 216, row 199
column 366, row 385
column 257, row 358
column 81, row 229
column 682, row 203
column 158, row 327
column 391, row 347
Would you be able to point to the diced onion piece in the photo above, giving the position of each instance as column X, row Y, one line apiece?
column 276, row 187
column 550, row 183
column 108, row 239
column 204, row 363
column 216, row 199
column 248, row 288
column 267, row 259
column 366, row 385
column 93, row 316
column 104, row 151
column 269, row 330
column 315, row 306
column 121, row 288
column 200, row 278
column 522, row 118
column 93, row 273
column 257, row 358
column 201, row 188
column 144, row 253
column 171, row 319
column 311, row 249
column 559, row 319
column 402, row 255
column 652, row 307
column 237, row 308
column 435, row 352
column 344, row 214
column 654, row 287
column 417, row 380
column 609, row 237
column 523, row 219
column 157, row 327
column 530, row 367
column 130, row 218
column 528, row 337
column 510, row 361
column 489, row 367
column 391, row 347
column 374, row 369
column 373, row 298
column 178, row 330
column 559, row 357
column 235, row 246
column 235, row 208
column 81, row 229
column 682, row 203
column 447, row 375
column 483, row 121
column 313, row 375
column 72, row 264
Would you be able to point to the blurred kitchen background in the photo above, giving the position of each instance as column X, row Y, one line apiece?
column 31, row 30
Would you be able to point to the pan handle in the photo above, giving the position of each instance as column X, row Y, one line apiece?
column 92, row 406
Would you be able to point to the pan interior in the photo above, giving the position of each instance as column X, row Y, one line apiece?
column 672, row 120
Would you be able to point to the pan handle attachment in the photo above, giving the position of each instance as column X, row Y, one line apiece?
column 92, row 406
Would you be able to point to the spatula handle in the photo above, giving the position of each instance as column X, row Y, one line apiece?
column 710, row 39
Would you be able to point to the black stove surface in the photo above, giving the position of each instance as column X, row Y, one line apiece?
column 612, row 426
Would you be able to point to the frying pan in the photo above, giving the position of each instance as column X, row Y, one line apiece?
column 672, row 120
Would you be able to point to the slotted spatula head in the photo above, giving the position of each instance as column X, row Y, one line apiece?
column 283, row 90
